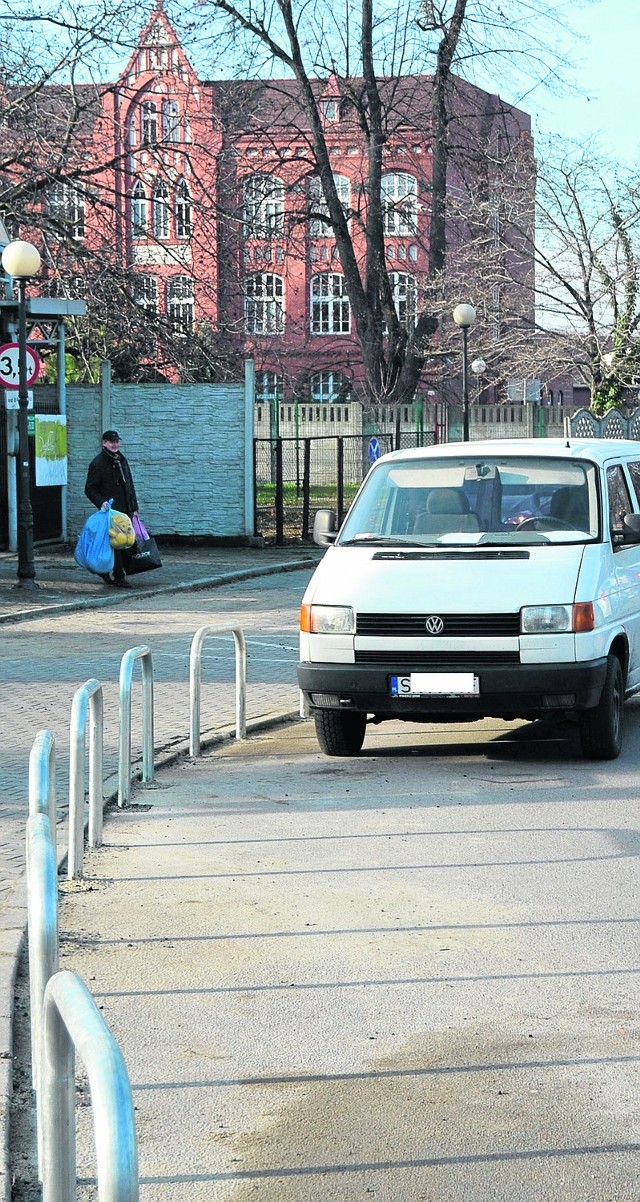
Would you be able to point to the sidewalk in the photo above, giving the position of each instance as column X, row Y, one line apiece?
column 64, row 588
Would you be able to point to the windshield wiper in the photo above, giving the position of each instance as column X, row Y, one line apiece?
column 379, row 539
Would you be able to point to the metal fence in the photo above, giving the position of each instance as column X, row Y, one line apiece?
column 296, row 476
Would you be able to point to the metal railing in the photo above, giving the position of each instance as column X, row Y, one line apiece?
column 88, row 698
column 195, row 681
column 42, row 779
column 124, row 760
column 72, row 1023
column 42, row 925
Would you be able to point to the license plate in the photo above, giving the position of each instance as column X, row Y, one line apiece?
column 435, row 684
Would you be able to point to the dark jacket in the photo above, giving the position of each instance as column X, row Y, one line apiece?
column 109, row 476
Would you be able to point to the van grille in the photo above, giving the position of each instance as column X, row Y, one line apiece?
column 399, row 625
column 436, row 659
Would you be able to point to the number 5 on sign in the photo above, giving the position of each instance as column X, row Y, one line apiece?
column 9, row 365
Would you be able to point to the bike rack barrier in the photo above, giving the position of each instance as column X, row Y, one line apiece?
column 195, row 682
column 88, row 697
column 42, row 923
column 124, row 762
column 72, row 1023
column 42, row 779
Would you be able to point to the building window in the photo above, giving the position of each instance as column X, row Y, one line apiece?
column 329, row 387
column 67, row 206
column 319, row 223
column 269, row 388
column 400, row 203
column 149, row 123
column 139, row 211
column 161, row 210
column 405, row 297
column 330, row 308
column 183, row 210
column 330, row 109
column 263, row 207
column 170, row 121
column 180, row 304
column 264, row 304
column 146, row 293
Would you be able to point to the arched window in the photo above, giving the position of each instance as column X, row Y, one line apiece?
column 399, row 203
column 405, row 297
column 264, row 304
column 330, row 388
column 139, row 210
column 148, row 123
column 161, row 210
column 145, row 289
column 180, row 304
column 330, row 308
column 170, row 121
column 183, row 210
column 263, row 207
column 68, row 206
column 319, row 220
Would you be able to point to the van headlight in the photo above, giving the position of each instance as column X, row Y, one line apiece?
column 546, row 619
column 327, row 619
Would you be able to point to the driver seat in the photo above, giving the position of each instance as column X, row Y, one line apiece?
column 447, row 512
column 570, row 505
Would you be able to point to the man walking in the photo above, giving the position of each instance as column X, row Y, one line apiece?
column 109, row 478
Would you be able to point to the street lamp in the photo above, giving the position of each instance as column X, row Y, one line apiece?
column 21, row 261
column 465, row 317
column 478, row 368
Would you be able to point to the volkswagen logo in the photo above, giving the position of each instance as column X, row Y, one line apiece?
column 434, row 624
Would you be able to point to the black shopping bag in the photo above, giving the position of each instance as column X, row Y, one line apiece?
column 144, row 555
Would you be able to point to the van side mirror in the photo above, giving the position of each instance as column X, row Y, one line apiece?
column 324, row 527
column 631, row 528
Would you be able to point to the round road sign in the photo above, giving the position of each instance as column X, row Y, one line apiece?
column 9, row 356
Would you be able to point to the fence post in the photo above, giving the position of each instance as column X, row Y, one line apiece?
column 124, row 759
column 340, row 478
column 279, row 495
column 88, row 696
column 72, row 1021
column 306, row 487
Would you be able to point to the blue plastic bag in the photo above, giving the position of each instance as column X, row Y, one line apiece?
column 93, row 548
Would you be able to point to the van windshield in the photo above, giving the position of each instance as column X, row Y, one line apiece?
column 471, row 501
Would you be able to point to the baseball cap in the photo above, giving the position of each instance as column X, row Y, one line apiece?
column 111, row 436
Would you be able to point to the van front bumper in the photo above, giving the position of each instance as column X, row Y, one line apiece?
column 506, row 690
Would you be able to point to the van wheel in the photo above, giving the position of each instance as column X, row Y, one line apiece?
column 601, row 727
column 338, row 733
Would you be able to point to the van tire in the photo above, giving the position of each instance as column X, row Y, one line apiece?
column 601, row 726
column 340, row 733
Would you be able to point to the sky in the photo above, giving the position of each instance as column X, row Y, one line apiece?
column 608, row 73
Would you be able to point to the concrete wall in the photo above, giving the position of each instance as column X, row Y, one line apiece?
column 189, row 447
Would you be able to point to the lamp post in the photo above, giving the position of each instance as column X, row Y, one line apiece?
column 478, row 368
column 21, row 261
column 465, row 317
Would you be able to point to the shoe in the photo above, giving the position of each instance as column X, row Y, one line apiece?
column 107, row 577
column 122, row 582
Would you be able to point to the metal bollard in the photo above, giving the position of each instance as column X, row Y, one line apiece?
column 195, row 682
column 124, row 760
column 42, row 779
column 42, row 921
column 88, row 697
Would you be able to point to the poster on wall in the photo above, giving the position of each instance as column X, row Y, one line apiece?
column 51, row 449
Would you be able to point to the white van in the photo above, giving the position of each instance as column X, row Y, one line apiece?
column 472, row 580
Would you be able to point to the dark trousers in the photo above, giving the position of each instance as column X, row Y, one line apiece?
column 120, row 561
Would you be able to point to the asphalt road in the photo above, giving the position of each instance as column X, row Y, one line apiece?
column 408, row 976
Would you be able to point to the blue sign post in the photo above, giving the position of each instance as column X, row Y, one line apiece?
column 373, row 450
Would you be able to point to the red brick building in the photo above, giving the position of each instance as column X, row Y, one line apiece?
column 212, row 204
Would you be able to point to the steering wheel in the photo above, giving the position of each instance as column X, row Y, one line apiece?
column 545, row 523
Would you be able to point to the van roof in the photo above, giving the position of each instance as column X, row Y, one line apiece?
column 596, row 450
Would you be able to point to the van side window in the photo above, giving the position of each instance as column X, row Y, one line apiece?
column 634, row 472
column 619, row 499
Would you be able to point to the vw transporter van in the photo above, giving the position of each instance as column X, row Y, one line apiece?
column 485, row 579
